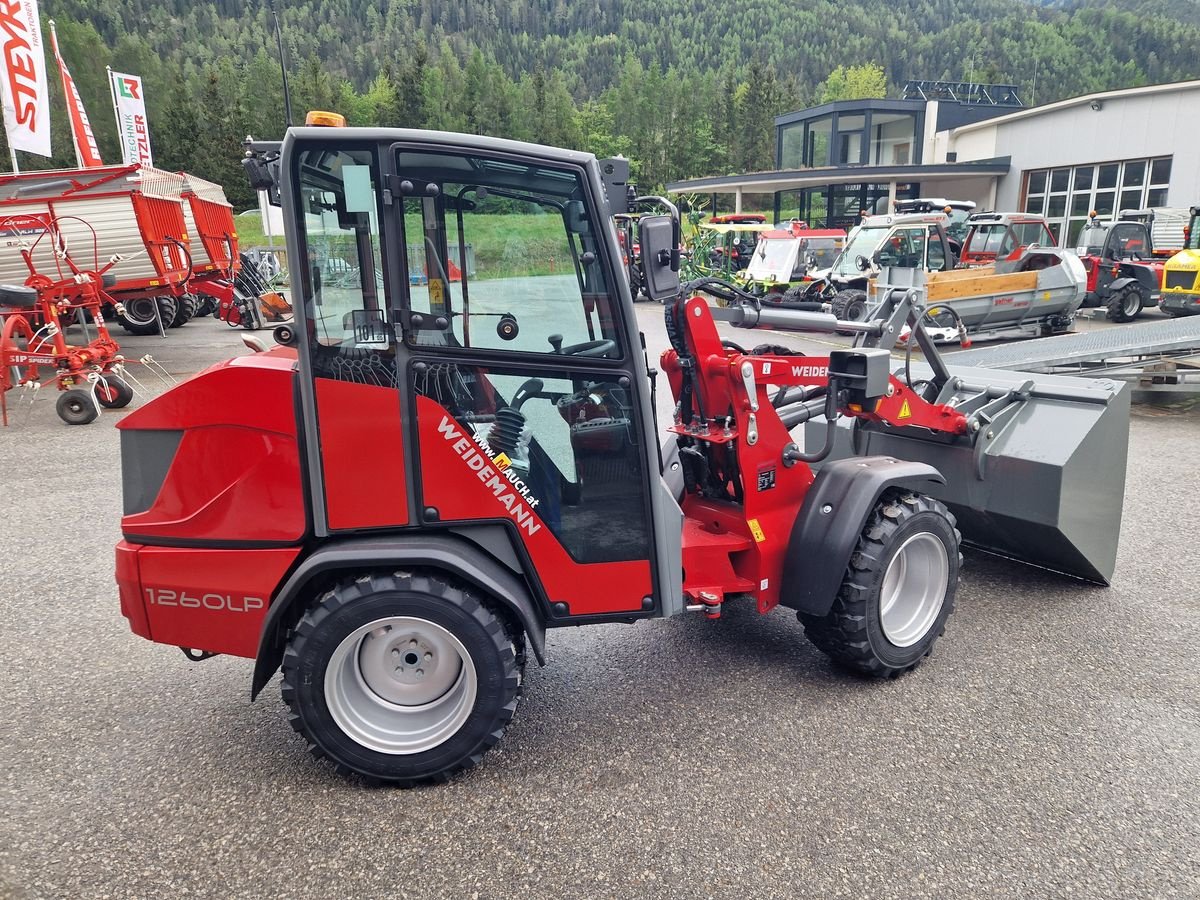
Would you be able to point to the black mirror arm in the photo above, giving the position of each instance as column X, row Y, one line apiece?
column 676, row 227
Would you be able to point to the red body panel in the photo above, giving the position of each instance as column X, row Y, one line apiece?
column 236, row 475
column 455, row 476
column 362, row 454
column 212, row 600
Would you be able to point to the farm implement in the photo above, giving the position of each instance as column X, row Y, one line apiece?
column 432, row 475
column 33, row 322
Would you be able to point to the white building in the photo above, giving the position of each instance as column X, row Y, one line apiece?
column 1105, row 151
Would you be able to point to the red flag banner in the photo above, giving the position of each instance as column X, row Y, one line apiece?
column 23, row 87
column 86, row 150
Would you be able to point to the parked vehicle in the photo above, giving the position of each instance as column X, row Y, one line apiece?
column 782, row 264
column 1122, row 274
column 957, row 213
column 847, row 279
column 1033, row 292
column 430, row 476
column 992, row 235
column 1181, row 273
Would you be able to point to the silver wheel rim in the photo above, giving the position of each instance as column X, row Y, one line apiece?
column 400, row 685
column 1132, row 302
column 913, row 589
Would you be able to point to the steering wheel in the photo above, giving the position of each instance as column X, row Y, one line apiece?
column 589, row 348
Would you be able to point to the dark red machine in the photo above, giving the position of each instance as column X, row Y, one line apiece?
column 427, row 474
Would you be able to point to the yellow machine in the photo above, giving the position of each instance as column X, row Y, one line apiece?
column 1181, row 274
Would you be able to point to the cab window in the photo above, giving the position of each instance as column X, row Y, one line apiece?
column 507, row 254
column 341, row 278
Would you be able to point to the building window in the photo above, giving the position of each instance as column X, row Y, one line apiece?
column 1067, row 196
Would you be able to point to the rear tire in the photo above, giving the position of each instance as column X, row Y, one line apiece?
column 139, row 314
column 1126, row 305
column 401, row 678
column 185, row 309
column 76, row 407
column 898, row 590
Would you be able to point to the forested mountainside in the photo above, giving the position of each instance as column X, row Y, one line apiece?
column 683, row 87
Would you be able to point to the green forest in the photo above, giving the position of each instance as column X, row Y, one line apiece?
column 682, row 87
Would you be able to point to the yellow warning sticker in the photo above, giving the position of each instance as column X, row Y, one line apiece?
column 501, row 461
column 435, row 291
column 905, row 412
column 756, row 530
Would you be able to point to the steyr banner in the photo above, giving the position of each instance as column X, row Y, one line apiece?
column 130, row 105
column 26, row 92
column 86, row 151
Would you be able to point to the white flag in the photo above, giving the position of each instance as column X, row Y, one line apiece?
column 26, row 92
column 131, row 119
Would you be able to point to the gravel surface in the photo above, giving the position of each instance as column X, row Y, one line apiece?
column 1049, row 748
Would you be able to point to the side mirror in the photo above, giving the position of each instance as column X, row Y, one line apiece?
column 259, row 173
column 658, row 255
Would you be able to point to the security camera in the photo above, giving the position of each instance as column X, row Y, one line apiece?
column 1097, row 105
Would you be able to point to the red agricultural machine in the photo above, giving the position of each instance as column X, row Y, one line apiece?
column 174, row 233
column 134, row 212
column 430, row 475
column 34, row 318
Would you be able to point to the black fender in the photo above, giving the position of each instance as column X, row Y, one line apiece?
column 449, row 554
column 1117, row 285
column 832, row 519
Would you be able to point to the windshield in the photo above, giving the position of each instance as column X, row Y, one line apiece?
column 773, row 260
column 1091, row 240
column 956, row 228
column 862, row 243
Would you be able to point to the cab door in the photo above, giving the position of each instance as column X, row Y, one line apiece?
column 528, row 406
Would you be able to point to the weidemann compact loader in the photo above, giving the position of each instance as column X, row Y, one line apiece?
column 430, row 471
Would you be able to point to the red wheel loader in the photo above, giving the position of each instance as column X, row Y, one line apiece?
column 433, row 472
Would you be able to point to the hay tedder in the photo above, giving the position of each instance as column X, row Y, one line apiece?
column 34, row 317
column 174, row 233
column 430, row 475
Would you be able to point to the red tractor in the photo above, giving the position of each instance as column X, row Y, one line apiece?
column 1123, row 274
column 432, row 473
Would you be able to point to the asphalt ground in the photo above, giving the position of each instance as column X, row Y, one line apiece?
column 1050, row 747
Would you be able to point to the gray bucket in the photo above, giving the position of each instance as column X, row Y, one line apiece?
column 1044, row 484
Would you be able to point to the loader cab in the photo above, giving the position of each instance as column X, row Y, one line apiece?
column 469, row 361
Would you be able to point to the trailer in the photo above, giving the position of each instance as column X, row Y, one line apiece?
column 1034, row 292
column 135, row 212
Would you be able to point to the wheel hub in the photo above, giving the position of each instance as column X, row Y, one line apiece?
column 400, row 685
column 913, row 589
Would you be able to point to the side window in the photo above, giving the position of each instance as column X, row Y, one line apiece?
column 341, row 279
column 509, row 254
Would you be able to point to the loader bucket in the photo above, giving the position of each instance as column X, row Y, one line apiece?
column 1043, row 483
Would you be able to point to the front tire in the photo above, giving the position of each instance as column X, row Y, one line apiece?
column 898, row 590
column 76, row 407
column 849, row 306
column 1127, row 304
column 401, row 678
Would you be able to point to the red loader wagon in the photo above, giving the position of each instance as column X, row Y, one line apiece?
column 133, row 211
column 209, row 218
